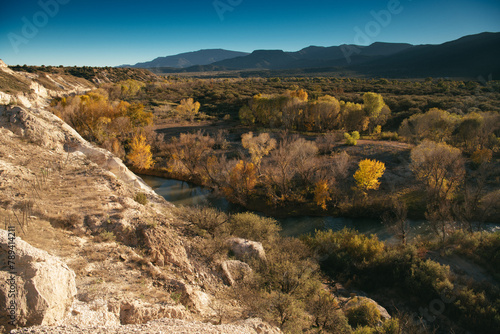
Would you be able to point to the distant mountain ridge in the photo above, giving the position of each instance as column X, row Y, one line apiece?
column 469, row 56
column 183, row 60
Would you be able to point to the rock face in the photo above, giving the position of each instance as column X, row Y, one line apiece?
column 165, row 249
column 45, row 285
column 243, row 248
column 47, row 130
column 197, row 301
column 39, row 95
column 97, row 313
column 235, row 271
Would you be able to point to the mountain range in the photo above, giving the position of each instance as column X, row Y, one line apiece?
column 183, row 60
column 469, row 57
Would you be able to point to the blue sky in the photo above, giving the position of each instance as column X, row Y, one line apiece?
column 110, row 33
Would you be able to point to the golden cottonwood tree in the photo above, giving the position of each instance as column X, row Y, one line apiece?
column 140, row 153
column 368, row 174
column 188, row 108
column 242, row 181
column 322, row 194
column 299, row 94
column 258, row 146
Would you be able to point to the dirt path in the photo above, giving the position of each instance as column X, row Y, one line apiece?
column 464, row 267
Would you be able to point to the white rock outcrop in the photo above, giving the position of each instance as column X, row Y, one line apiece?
column 192, row 297
column 39, row 95
column 235, row 271
column 45, row 285
column 47, row 130
column 137, row 312
column 243, row 248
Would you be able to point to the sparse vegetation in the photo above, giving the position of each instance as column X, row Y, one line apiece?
column 141, row 198
column 424, row 151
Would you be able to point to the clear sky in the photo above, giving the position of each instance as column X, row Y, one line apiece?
column 110, row 33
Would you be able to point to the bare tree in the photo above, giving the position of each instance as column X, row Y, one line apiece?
column 440, row 167
column 293, row 158
column 191, row 149
column 440, row 218
column 396, row 219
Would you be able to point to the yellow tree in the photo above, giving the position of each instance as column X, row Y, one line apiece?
column 242, row 181
column 300, row 94
column 322, row 194
column 140, row 153
column 368, row 174
column 188, row 107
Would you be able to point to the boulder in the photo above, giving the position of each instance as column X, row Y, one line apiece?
column 45, row 285
column 191, row 297
column 165, row 248
column 97, row 313
column 243, row 248
column 235, row 271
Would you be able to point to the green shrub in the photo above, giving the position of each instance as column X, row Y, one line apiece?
column 253, row 227
column 390, row 326
column 429, row 279
column 351, row 139
column 364, row 314
column 389, row 135
column 326, row 316
column 176, row 297
column 141, row 198
column 346, row 248
column 365, row 330
column 106, row 236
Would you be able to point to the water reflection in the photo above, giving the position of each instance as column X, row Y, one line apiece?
column 188, row 194
column 182, row 193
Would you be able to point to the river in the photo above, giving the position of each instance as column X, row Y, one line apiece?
column 182, row 193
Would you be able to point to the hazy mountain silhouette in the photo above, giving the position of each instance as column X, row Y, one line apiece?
column 201, row 57
column 470, row 56
column 312, row 56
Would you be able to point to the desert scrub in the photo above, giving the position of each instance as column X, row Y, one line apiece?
column 364, row 314
column 253, row 227
column 141, row 198
column 106, row 236
column 351, row 139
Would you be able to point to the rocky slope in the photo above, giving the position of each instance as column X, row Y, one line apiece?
column 34, row 90
column 74, row 202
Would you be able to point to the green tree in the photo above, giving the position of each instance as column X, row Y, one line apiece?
column 373, row 104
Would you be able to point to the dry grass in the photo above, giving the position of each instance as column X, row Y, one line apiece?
column 13, row 85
